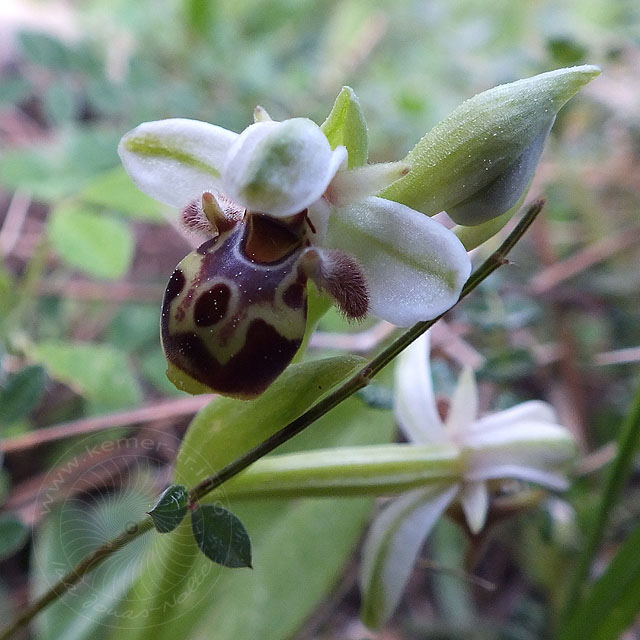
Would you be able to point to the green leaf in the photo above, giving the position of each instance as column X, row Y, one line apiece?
column 13, row 535
column 100, row 373
column 494, row 134
column 290, row 546
column 619, row 472
column 53, row 170
column 200, row 15
column 8, row 295
column 170, row 509
column 614, row 601
column 221, row 536
column 13, row 90
column 45, row 50
column 134, row 327
column 31, row 170
column 115, row 190
column 59, row 104
column 21, row 393
column 153, row 366
column 5, row 484
column 227, row 428
column 300, row 547
column 97, row 244
column 346, row 126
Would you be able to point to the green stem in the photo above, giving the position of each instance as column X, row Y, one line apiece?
column 628, row 443
column 382, row 469
column 358, row 381
column 362, row 377
column 67, row 581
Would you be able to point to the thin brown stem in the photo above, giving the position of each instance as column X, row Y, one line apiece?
column 359, row 380
column 160, row 410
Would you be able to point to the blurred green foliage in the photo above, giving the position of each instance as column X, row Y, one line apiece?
column 66, row 100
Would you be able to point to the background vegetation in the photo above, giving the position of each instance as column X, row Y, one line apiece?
column 85, row 258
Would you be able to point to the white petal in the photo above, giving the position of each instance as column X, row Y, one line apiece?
column 175, row 160
column 474, row 499
column 415, row 267
column 392, row 547
column 464, row 404
column 532, row 445
column 414, row 401
column 280, row 168
column 318, row 214
column 531, row 411
column 349, row 187
column 550, row 479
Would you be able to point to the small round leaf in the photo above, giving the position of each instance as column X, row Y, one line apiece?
column 221, row 536
column 170, row 509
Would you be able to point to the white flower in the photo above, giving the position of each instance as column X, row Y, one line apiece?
column 523, row 442
column 413, row 267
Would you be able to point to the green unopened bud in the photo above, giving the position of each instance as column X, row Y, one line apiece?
column 504, row 191
column 476, row 163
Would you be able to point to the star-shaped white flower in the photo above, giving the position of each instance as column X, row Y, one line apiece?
column 414, row 268
column 524, row 442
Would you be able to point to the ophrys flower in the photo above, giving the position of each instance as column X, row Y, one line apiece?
column 524, row 443
column 279, row 206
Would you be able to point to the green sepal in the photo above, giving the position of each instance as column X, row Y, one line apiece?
column 221, row 536
column 487, row 147
column 346, row 126
column 170, row 509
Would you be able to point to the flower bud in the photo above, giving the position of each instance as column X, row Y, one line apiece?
column 476, row 163
column 504, row 191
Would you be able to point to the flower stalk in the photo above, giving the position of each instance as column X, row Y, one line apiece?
column 358, row 381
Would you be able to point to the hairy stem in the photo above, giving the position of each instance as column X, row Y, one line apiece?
column 358, row 381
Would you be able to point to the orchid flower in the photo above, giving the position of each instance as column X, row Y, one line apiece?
column 277, row 207
column 413, row 267
column 282, row 203
column 523, row 443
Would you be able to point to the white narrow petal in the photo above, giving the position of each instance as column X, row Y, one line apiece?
column 175, row 160
column 531, row 445
column 354, row 185
column 414, row 401
column 474, row 499
column 549, row 479
column 392, row 547
column 464, row 404
column 415, row 267
column 280, row 168
column 531, row 411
